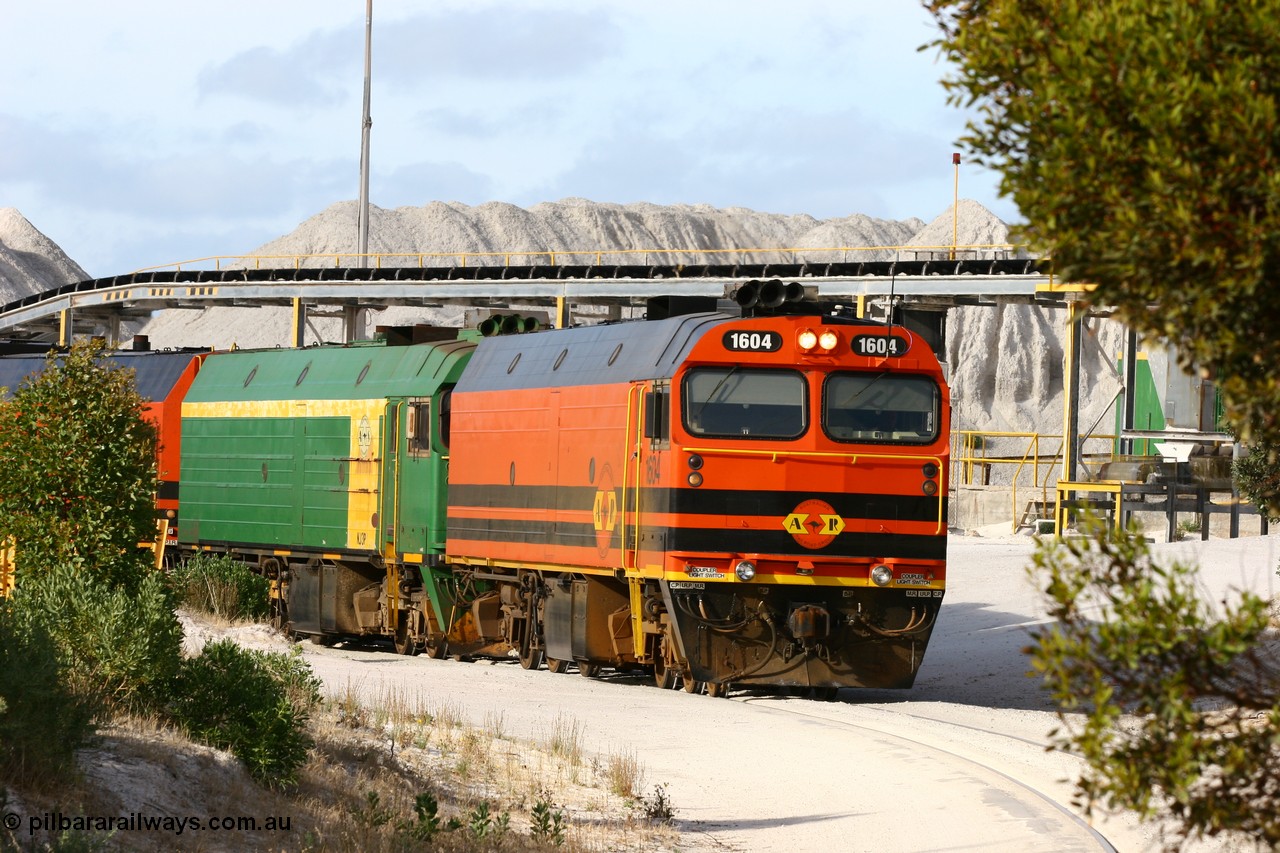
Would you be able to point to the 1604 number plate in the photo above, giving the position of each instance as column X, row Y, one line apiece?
column 745, row 340
column 879, row 346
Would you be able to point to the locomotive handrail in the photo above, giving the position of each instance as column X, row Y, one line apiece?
column 852, row 457
column 630, row 452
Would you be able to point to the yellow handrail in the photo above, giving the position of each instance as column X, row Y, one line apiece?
column 969, row 455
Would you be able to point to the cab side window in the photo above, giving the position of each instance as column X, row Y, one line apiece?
column 446, row 418
column 420, row 427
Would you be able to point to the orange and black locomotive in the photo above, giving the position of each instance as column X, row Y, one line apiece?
column 725, row 500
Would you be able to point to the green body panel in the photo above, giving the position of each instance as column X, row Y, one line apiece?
column 308, row 449
column 1148, row 412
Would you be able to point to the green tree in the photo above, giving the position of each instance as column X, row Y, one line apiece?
column 1173, row 708
column 77, row 470
column 1257, row 475
column 1141, row 142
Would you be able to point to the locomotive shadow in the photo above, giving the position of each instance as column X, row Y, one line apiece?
column 975, row 657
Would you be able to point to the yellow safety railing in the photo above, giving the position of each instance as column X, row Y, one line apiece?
column 7, row 576
column 6, row 568
column 561, row 256
column 973, row 458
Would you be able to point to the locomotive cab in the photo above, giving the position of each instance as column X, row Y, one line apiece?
column 805, row 521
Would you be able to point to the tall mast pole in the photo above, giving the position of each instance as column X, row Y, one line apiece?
column 955, row 205
column 365, row 125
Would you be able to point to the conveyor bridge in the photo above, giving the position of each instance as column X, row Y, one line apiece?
column 307, row 283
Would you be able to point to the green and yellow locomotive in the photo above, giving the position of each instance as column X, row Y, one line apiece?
column 326, row 469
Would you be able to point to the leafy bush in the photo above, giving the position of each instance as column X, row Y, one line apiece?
column 118, row 649
column 221, row 585
column 239, row 699
column 42, row 723
column 1130, row 636
column 1257, row 475
column 78, row 470
column 301, row 686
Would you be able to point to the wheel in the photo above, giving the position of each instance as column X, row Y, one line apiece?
column 692, row 686
column 717, row 689
column 325, row 640
column 405, row 644
column 557, row 665
column 531, row 652
column 437, row 648
column 662, row 674
column 587, row 669
column 279, row 615
column 530, row 658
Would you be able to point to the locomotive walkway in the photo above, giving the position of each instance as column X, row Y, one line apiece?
column 932, row 277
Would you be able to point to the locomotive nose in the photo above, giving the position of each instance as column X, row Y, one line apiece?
column 809, row 622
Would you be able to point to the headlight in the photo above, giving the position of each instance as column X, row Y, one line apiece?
column 828, row 340
column 807, row 340
column 882, row 575
column 745, row 570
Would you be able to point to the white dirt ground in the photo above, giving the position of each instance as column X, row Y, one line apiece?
column 956, row 763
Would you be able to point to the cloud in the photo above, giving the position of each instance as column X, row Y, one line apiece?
column 407, row 53
column 529, row 44
column 109, row 171
column 290, row 79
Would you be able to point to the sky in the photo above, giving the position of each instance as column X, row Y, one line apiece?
column 140, row 133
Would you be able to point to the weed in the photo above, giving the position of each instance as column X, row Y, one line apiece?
column 235, row 698
column 449, row 716
column 625, row 774
column 657, row 807
column 547, row 824
column 566, row 739
column 371, row 814
column 351, row 712
column 479, row 821
column 495, row 725
column 222, row 586
column 426, row 823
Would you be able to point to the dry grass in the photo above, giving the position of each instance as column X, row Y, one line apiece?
column 625, row 775
column 394, row 774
